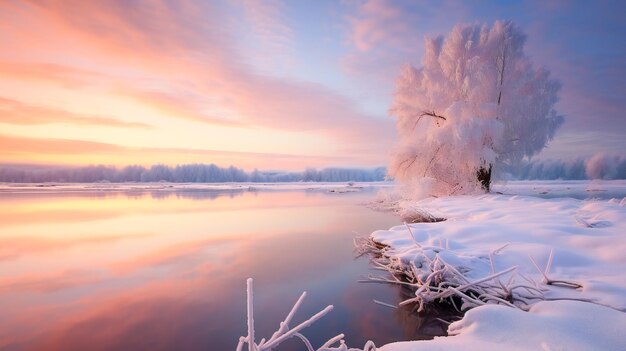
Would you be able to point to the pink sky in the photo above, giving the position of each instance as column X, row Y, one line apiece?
column 265, row 84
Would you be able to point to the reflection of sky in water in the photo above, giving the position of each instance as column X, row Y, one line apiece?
column 134, row 271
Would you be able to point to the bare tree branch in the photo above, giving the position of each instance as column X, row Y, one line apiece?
column 428, row 113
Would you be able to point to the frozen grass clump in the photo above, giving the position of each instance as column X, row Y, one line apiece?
column 436, row 282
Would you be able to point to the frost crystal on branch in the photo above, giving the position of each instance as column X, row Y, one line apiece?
column 476, row 104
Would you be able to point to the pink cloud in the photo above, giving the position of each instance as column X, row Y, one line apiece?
column 16, row 112
column 184, row 60
column 19, row 145
column 268, row 22
column 61, row 148
column 384, row 35
column 379, row 23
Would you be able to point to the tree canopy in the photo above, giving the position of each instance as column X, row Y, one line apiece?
column 476, row 104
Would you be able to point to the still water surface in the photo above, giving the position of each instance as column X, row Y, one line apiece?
column 167, row 271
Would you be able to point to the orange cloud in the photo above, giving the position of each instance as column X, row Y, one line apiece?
column 10, row 145
column 183, row 61
column 15, row 112
column 15, row 148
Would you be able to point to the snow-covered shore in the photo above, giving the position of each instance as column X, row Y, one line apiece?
column 588, row 238
column 536, row 233
column 554, row 325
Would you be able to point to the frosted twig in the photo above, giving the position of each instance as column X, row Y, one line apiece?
column 284, row 325
column 548, row 281
column 306, row 341
column 466, row 297
column 369, row 346
column 549, row 264
column 331, row 341
column 283, row 333
column 497, row 251
column 412, row 236
column 482, row 280
column 290, row 333
column 242, row 341
column 385, row 304
column 495, row 298
column 250, row 306
column 583, row 222
column 545, row 277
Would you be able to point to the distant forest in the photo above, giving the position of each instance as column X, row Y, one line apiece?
column 600, row 166
column 191, row 173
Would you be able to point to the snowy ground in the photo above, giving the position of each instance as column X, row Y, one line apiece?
column 588, row 238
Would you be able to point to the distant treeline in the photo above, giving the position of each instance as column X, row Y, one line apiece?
column 192, row 173
column 600, row 166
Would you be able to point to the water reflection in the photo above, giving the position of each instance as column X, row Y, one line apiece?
column 167, row 270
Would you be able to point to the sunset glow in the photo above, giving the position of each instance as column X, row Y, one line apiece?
column 261, row 84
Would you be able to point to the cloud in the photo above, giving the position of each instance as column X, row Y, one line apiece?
column 273, row 38
column 384, row 35
column 576, row 42
column 226, row 64
column 177, row 101
column 174, row 104
column 10, row 145
column 71, row 77
column 15, row 148
column 16, row 112
column 379, row 23
column 185, row 61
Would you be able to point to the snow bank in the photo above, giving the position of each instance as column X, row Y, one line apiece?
column 556, row 325
column 588, row 240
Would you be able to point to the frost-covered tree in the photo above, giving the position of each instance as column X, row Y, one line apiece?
column 476, row 104
column 603, row 166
